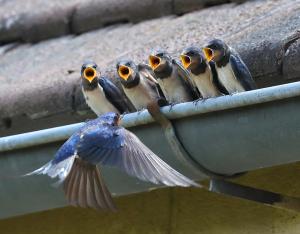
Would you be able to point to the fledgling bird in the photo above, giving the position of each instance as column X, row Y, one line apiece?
column 173, row 79
column 100, row 93
column 139, row 84
column 103, row 141
column 233, row 74
column 194, row 61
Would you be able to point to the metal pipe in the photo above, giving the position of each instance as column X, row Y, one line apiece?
column 143, row 117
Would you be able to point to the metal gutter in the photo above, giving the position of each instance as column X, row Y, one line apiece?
column 175, row 112
column 227, row 135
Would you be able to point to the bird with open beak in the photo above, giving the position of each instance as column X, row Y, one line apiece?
column 100, row 93
column 103, row 141
column 139, row 84
column 174, row 79
column 200, row 70
column 233, row 73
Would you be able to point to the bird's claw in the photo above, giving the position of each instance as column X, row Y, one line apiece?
column 140, row 111
column 195, row 102
column 204, row 100
column 171, row 105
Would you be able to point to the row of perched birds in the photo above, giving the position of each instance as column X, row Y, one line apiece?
column 203, row 73
column 216, row 70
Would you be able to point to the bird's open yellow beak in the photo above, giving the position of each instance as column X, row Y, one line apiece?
column 154, row 61
column 90, row 74
column 124, row 72
column 185, row 60
column 208, row 53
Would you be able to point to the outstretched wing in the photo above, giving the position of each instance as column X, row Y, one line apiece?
column 185, row 76
column 116, row 146
column 114, row 95
column 241, row 72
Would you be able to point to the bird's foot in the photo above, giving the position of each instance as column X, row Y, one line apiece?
column 162, row 102
column 140, row 111
column 205, row 99
column 171, row 105
column 233, row 93
column 195, row 102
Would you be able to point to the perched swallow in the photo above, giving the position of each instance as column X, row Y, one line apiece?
column 173, row 78
column 139, row 84
column 194, row 61
column 103, row 141
column 233, row 74
column 100, row 93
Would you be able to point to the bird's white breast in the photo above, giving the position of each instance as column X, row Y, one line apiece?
column 174, row 90
column 228, row 79
column 140, row 95
column 205, row 84
column 97, row 101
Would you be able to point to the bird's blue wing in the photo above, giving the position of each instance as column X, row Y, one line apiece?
column 101, row 144
column 115, row 146
column 241, row 72
column 67, row 149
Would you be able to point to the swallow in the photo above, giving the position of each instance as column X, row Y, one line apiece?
column 200, row 70
column 100, row 93
column 174, row 79
column 103, row 141
column 139, row 84
column 233, row 73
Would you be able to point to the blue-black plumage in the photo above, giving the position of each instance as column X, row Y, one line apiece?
column 201, row 71
column 101, row 94
column 139, row 84
column 233, row 74
column 172, row 77
column 103, row 141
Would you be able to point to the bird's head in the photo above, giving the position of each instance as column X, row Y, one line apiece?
column 127, row 71
column 192, row 58
column 111, row 118
column 215, row 50
column 159, row 60
column 89, row 72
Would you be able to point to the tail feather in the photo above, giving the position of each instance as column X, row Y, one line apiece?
column 85, row 187
column 102, row 189
column 91, row 197
column 71, row 178
column 82, row 192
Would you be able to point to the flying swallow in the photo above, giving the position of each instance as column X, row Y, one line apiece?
column 233, row 74
column 139, row 84
column 201, row 73
column 100, row 93
column 103, row 141
column 173, row 78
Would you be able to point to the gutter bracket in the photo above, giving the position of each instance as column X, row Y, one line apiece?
column 253, row 194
